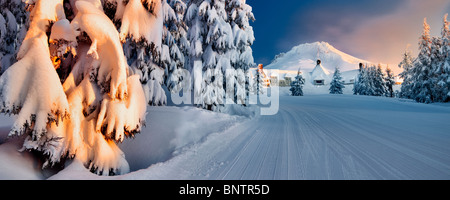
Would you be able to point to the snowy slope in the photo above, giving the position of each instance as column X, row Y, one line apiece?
column 305, row 56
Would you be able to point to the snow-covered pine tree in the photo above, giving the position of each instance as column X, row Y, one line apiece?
column 239, row 15
column 422, row 72
column 211, row 37
column 389, row 81
column 257, row 82
column 366, row 82
column 13, row 25
column 196, row 33
column 443, row 71
column 100, row 101
column 379, row 84
column 176, row 44
column 436, row 63
column 370, row 80
column 407, row 65
column 336, row 84
column 359, row 85
column 297, row 85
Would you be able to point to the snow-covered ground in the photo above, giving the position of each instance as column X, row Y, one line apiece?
column 317, row 136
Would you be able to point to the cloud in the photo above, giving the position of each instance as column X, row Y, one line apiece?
column 384, row 38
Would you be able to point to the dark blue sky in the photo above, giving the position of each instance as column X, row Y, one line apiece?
column 348, row 25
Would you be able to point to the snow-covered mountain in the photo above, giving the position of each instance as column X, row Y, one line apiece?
column 305, row 56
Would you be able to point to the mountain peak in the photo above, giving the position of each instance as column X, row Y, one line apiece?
column 304, row 56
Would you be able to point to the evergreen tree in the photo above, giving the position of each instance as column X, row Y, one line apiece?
column 389, row 80
column 437, row 60
column 379, row 84
column 211, row 39
column 239, row 15
column 443, row 71
column 257, row 82
column 13, row 26
column 336, row 84
column 422, row 85
column 297, row 85
column 407, row 65
column 85, row 111
column 359, row 86
column 369, row 81
column 175, row 46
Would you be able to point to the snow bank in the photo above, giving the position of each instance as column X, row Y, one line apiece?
column 15, row 165
column 171, row 130
column 161, row 140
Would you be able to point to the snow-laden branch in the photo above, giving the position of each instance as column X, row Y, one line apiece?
column 31, row 88
column 105, row 47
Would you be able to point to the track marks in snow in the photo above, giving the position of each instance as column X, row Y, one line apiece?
column 309, row 139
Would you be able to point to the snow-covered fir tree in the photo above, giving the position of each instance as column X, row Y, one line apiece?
column 389, row 82
column 443, row 69
column 358, row 84
column 407, row 65
column 336, row 85
column 436, row 63
column 297, row 85
column 211, row 38
column 427, row 79
column 364, row 83
column 241, row 57
column 98, row 100
column 257, row 82
column 369, row 80
column 13, row 25
column 422, row 84
column 175, row 46
column 379, row 85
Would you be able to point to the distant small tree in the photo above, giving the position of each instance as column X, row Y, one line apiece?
column 336, row 85
column 297, row 85
column 257, row 83
column 407, row 64
column 357, row 86
column 389, row 80
column 379, row 84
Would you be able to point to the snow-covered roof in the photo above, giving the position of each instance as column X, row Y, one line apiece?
column 349, row 75
column 320, row 73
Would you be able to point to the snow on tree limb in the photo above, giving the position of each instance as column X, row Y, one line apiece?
column 36, row 95
column 131, row 115
column 106, row 47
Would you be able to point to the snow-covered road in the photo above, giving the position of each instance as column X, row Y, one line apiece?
column 323, row 137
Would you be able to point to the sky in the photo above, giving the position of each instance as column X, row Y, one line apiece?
column 378, row 31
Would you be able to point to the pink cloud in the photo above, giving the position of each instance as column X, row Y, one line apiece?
column 383, row 39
